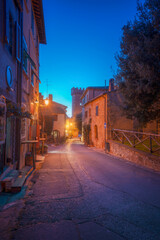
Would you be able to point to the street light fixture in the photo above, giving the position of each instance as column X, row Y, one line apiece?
column 46, row 102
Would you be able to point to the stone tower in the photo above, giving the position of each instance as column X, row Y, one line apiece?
column 76, row 100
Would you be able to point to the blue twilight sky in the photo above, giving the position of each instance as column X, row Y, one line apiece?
column 83, row 37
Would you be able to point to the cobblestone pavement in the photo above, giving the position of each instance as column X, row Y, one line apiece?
column 82, row 194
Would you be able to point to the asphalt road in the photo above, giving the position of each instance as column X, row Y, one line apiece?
column 82, row 194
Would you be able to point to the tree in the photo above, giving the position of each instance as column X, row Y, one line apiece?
column 138, row 74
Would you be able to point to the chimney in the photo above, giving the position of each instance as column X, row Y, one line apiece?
column 111, row 85
column 50, row 97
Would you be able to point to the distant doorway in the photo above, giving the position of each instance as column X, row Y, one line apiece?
column 56, row 135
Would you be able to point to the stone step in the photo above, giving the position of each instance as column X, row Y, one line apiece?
column 19, row 182
column 8, row 180
column 15, row 179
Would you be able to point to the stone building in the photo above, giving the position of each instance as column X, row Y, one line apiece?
column 101, row 112
column 21, row 31
column 76, row 110
column 76, row 101
column 54, row 114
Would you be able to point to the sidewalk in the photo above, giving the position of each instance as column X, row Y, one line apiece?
column 9, row 199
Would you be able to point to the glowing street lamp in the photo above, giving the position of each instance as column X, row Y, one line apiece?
column 46, row 102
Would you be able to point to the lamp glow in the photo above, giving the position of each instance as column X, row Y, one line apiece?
column 46, row 102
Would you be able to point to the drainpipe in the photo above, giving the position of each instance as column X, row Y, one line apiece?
column 105, row 124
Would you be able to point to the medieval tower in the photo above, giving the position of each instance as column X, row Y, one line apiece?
column 76, row 100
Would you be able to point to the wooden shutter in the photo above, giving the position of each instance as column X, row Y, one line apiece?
column 18, row 42
column 7, row 22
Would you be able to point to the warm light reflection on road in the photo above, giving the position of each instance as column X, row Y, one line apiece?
column 67, row 147
column 59, row 152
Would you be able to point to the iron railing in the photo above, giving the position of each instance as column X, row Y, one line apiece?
column 144, row 141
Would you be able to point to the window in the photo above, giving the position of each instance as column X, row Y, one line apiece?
column 37, row 42
column 96, row 131
column 25, row 57
column 96, row 110
column 86, row 114
column 10, row 34
column 32, row 21
column 18, row 16
column 18, row 42
column 32, row 77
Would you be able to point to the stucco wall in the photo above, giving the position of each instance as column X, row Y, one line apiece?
column 114, row 117
column 60, row 124
column 96, row 120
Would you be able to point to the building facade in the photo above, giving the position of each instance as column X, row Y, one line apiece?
column 53, row 118
column 102, row 113
column 76, row 101
column 21, row 32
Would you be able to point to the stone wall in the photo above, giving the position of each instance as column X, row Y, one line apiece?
column 134, row 155
column 76, row 100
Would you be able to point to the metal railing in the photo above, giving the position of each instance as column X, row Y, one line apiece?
column 144, row 141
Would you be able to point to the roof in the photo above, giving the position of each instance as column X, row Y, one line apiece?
column 54, row 108
column 39, row 17
column 96, row 88
column 59, row 104
column 101, row 95
column 58, row 110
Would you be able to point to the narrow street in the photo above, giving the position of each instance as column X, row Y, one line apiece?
column 82, row 194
